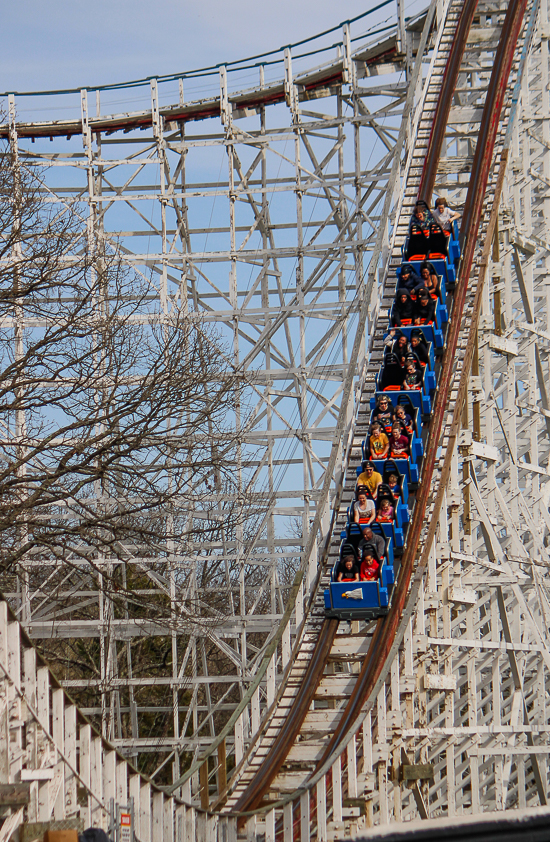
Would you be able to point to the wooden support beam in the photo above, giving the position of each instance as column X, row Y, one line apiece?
column 15, row 795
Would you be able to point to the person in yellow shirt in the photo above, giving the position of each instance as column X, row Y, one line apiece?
column 379, row 443
column 370, row 478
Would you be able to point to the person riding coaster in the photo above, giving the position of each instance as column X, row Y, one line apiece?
column 429, row 278
column 424, row 308
column 369, row 569
column 379, row 444
column 412, row 378
column 401, row 348
column 443, row 215
column 419, row 346
column 373, row 543
column 404, row 419
column 369, row 479
column 399, row 443
column 408, row 278
column 421, row 215
column 385, row 512
column 348, row 568
column 383, row 413
column 403, row 309
column 364, row 510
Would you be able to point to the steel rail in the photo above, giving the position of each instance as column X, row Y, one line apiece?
column 309, row 85
column 445, row 99
column 364, row 311
column 252, row 796
column 377, row 656
column 383, row 638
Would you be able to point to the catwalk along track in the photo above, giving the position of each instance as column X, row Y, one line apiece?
column 284, row 762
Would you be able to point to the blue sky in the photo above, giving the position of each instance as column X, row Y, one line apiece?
column 73, row 43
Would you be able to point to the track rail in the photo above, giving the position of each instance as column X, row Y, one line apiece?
column 317, row 83
column 381, row 644
column 248, row 794
column 304, row 678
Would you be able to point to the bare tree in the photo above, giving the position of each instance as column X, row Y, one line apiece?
column 109, row 412
column 121, row 465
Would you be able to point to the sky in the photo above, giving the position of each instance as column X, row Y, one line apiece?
column 73, row 43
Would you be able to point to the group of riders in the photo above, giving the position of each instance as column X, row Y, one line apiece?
column 392, row 427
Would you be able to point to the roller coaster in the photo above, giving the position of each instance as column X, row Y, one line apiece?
column 424, row 694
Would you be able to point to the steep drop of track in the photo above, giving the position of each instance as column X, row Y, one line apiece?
column 274, row 744
column 277, row 739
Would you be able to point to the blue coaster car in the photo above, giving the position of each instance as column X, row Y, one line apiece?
column 412, row 401
column 432, row 332
column 407, row 467
column 401, row 517
column 390, row 378
column 395, row 532
column 428, row 345
column 419, row 399
column 441, row 307
column 356, row 600
column 360, row 600
column 390, row 466
column 442, row 268
column 399, row 399
column 352, row 535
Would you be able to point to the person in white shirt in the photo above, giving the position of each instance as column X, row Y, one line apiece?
column 364, row 510
column 443, row 214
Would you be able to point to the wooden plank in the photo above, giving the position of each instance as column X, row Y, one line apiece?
column 15, row 795
column 58, row 733
column 70, row 754
column 344, row 646
column 158, row 817
column 98, row 815
column 309, row 751
column 84, row 763
column 37, row 775
column 418, row 772
column 144, row 806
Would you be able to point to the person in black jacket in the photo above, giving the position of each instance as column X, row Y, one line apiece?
column 408, row 278
column 383, row 412
column 401, row 348
column 419, row 347
column 424, row 308
column 403, row 308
